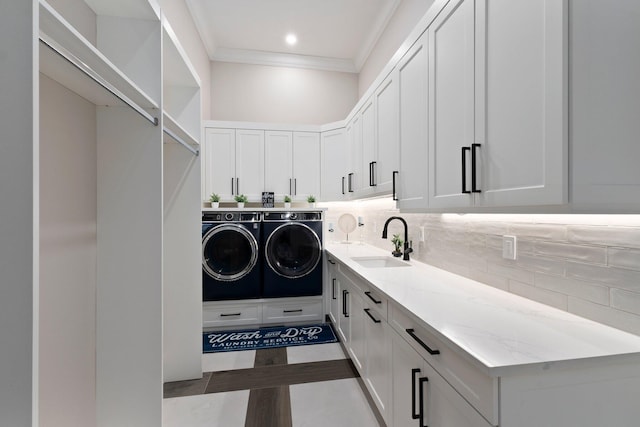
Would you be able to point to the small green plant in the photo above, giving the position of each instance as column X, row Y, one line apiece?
column 311, row 199
column 397, row 242
column 240, row 198
column 214, row 197
column 287, row 199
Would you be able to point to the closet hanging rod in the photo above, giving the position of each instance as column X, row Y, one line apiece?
column 181, row 142
column 89, row 72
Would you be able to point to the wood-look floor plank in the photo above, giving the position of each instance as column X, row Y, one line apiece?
column 269, row 407
column 271, row 357
column 274, row 376
column 187, row 387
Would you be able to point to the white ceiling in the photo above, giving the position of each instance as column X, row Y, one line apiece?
column 332, row 34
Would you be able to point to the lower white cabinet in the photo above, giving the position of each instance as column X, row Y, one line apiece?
column 332, row 292
column 217, row 314
column 377, row 366
column 421, row 397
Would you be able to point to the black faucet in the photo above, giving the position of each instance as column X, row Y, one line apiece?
column 407, row 248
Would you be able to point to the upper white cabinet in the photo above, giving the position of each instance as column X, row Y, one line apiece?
column 497, row 101
column 333, row 164
column 366, row 149
column 306, row 165
column 387, row 134
column 411, row 180
column 234, row 163
column 292, row 165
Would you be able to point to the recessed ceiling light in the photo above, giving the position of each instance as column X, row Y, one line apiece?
column 291, row 39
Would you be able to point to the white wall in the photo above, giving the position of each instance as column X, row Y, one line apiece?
column 588, row 265
column 403, row 21
column 259, row 93
column 68, row 257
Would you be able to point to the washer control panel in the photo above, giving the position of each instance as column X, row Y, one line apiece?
column 293, row 216
column 231, row 216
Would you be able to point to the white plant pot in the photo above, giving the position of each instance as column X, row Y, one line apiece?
column 215, row 205
column 240, row 205
column 312, row 204
column 287, row 205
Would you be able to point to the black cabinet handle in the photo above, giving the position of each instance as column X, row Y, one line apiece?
column 411, row 332
column 295, row 186
column 333, row 288
column 350, row 183
column 372, row 174
column 393, row 177
column 372, row 298
column 290, row 188
column 414, row 415
column 464, row 169
column 229, row 314
column 345, row 293
column 474, row 186
column 238, row 186
column 343, row 185
column 421, row 383
column 298, row 310
column 368, row 311
column 331, row 261
column 232, row 193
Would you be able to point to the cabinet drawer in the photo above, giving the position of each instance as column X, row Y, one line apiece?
column 219, row 314
column 289, row 311
column 467, row 379
column 372, row 298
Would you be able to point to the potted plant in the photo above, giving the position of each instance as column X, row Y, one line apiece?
column 241, row 199
column 312, row 201
column 215, row 200
column 287, row 202
column 397, row 243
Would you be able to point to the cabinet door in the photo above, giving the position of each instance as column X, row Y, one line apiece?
column 411, row 181
column 451, row 105
column 306, row 165
column 333, row 295
column 357, row 343
column 521, row 110
column 406, row 369
column 354, row 175
column 219, row 163
column 333, row 165
column 369, row 144
column 344, row 296
column 278, row 159
column 387, row 123
column 377, row 336
column 250, row 163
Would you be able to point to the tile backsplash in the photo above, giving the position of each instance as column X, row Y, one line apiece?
column 588, row 265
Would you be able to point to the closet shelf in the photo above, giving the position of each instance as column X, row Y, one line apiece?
column 177, row 133
column 55, row 30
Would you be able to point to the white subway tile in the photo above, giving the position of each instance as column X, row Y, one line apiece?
column 624, row 258
column 607, row 315
column 554, row 299
column 540, row 264
column 627, row 237
column 577, row 288
column 511, row 273
column 616, row 277
column 625, row 300
column 539, row 231
column 482, row 276
column 587, row 254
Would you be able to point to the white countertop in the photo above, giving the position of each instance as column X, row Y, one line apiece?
column 504, row 333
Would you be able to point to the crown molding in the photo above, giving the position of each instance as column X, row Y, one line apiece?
column 376, row 31
column 283, row 60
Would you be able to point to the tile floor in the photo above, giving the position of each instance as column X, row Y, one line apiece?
column 301, row 386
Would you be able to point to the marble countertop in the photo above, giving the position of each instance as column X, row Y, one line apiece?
column 504, row 334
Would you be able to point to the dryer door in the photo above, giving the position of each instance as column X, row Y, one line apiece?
column 229, row 252
column 293, row 250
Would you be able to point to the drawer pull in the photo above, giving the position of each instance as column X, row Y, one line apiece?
column 368, row 311
column 421, row 397
column 331, row 262
column 414, row 415
column 333, row 288
column 411, row 332
column 230, row 314
column 372, row 298
column 345, row 293
column 298, row 310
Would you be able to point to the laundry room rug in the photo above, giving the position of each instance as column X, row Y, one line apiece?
column 271, row 337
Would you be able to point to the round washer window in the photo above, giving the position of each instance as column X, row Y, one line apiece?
column 229, row 252
column 293, row 250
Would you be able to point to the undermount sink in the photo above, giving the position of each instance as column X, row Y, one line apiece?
column 379, row 262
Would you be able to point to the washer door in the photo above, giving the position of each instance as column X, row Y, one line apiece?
column 229, row 252
column 293, row 250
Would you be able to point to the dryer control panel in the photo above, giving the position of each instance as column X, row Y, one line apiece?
column 293, row 216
